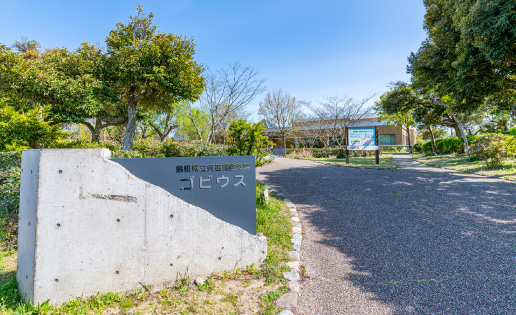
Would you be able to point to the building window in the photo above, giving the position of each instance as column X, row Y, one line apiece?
column 387, row 139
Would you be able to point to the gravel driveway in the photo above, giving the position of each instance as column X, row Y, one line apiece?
column 417, row 240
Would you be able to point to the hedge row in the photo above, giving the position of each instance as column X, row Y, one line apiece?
column 446, row 145
column 148, row 148
column 328, row 152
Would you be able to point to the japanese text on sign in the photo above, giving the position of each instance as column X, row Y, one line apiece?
column 212, row 167
column 206, row 182
column 361, row 136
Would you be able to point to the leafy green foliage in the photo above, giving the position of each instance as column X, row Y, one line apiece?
column 19, row 131
column 10, row 167
column 493, row 148
column 193, row 148
column 151, row 69
column 246, row 139
column 193, row 124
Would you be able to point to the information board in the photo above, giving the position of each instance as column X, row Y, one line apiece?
column 362, row 139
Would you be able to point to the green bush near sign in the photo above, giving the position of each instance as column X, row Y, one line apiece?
column 10, row 167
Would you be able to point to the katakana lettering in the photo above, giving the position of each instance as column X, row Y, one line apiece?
column 223, row 178
column 202, row 181
column 191, row 180
column 241, row 182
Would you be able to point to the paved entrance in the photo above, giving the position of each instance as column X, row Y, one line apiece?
column 417, row 240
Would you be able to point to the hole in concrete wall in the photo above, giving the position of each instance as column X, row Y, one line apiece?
column 220, row 258
column 117, row 272
column 60, row 171
column 222, row 247
column 171, row 216
column 117, row 220
column 56, row 280
column 26, row 276
column 171, row 265
column 58, row 225
column 29, row 223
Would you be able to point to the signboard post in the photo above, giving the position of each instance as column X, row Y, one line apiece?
column 362, row 139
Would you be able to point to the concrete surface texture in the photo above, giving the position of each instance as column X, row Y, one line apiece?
column 416, row 240
column 87, row 225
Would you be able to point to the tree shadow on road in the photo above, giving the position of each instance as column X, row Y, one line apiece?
column 418, row 242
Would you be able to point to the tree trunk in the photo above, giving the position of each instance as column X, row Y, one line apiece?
column 95, row 132
column 409, row 140
column 432, row 138
column 130, row 129
column 285, row 143
column 461, row 129
column 458, row 134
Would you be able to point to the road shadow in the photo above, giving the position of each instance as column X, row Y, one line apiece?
column 419, row 242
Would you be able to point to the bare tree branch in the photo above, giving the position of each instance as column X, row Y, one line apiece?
column 228, row 91
column 281, row 111
column 335, row 114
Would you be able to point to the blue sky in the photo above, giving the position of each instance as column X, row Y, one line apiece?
column 311, row 49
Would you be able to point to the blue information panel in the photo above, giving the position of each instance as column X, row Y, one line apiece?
column 225, row 186
column 362, row 139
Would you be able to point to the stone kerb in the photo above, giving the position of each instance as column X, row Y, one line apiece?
column 288, row 301
column 87, row 225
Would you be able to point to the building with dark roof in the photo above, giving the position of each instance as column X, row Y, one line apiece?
column 388, row 135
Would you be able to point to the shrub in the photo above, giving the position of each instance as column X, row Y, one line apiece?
column 427, row 146
column 320, row 153
column 246, row 138
column 75, row 144
column 418, row 147
column 149, row 148
column 449, row 145
column 493, row 148
column 193, row 148
column 10, row 167
column 341, row 154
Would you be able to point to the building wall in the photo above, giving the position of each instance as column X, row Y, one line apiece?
column 401, row 135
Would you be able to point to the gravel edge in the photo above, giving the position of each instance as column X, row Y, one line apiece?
column 288, row 301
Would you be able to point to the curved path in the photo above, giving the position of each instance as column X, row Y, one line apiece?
column 417, row 240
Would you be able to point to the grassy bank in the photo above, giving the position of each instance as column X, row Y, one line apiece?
column 385, row 161
column 250, row 291
column 461, row 163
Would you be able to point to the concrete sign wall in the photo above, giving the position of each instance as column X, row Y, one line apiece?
column 225, row 186
column 87, row 225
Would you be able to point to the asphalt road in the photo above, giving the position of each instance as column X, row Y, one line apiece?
column 417, row 240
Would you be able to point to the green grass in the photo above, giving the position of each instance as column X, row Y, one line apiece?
column 461, row 163
column 212, row 297
column 385, row 161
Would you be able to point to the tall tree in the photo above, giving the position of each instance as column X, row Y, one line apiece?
column 228, row 91
column 281, row 111
column 150, row 69
column 397, row 107
column 71, row 83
